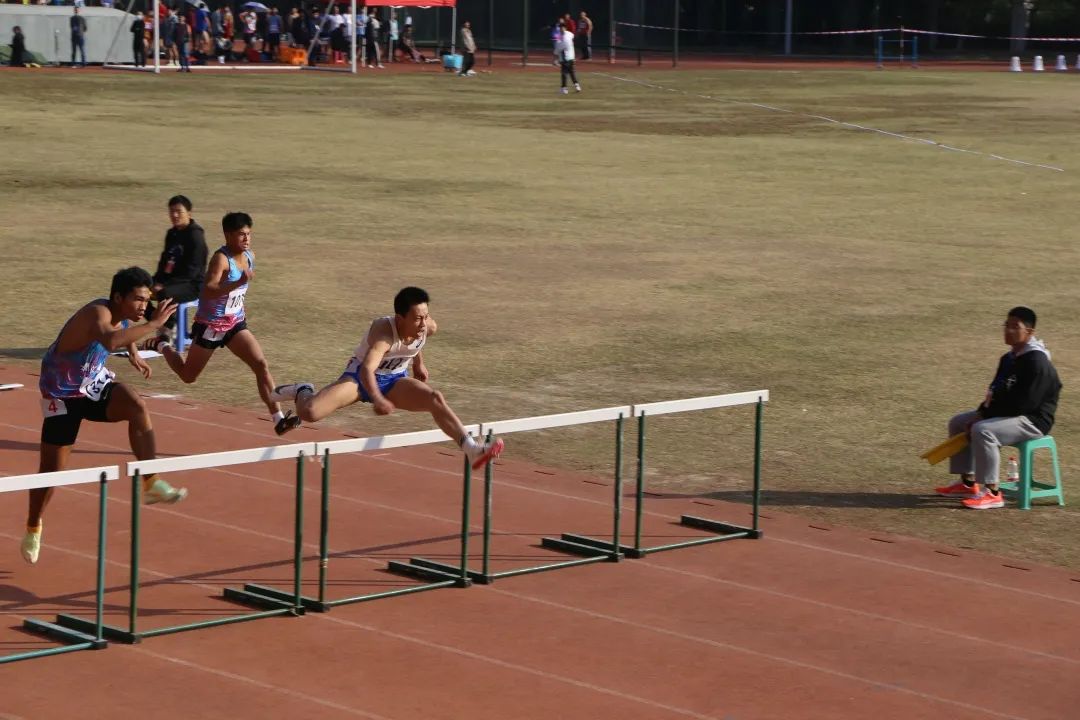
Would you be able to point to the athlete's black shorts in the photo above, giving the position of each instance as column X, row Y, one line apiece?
column 63, row 429
column 200, row 335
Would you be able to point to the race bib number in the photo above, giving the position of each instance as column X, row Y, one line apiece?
column 391, row 364
column 93, row 387
column 235, row 302
column 51, row 407
column 213, row 335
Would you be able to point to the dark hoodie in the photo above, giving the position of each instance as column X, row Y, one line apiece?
column 1027, row 384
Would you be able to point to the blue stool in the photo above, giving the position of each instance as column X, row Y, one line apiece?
column 182, row 339
column 1027, row 489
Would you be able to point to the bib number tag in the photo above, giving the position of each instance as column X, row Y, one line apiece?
column 52, row 407
column 213, row 335
column 235, row 302
column 93, row 387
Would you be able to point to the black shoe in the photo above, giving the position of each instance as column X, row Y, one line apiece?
column 287, row 423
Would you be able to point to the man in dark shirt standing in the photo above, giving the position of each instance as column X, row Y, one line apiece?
column 181, row 36
column 1019, row 405
column 138, row 40
column 78, row 35
column 182, row 265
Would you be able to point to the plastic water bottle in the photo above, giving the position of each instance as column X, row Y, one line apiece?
column 1012, row 471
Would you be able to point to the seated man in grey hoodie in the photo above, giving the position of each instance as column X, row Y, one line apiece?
column 1019, row 405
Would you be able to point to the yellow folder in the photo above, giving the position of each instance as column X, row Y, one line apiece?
column 946, row 449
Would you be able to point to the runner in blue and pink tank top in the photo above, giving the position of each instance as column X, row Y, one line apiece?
column 75, row 386
column 222, row 322
column 224, row 312
column 70, row 374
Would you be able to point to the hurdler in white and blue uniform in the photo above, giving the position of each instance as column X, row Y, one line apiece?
column 378, row 373
column 221, row 320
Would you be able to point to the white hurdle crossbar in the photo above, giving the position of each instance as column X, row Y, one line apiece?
column 59, row 478
column 220, row 459
column 92, row 636
column 707, row 402
column 435, row 578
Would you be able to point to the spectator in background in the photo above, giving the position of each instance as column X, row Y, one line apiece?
column 273, row 33
column 228, row 27
column 584, row 35
column 148, row 33
column 78, row 35
column 168, row 37
column 374, row 53
column 564, row 55
column 181, row 37
column 338, row 40
column 408, row 44
column 361, row 33
column 248, row 23
column 392, row 43
column 217, row 29
column 315, row 24
column 297, row 29
column 468, row 46
column 202, row 30
column 181, row 268
column 18, row 47
column 569, row 24
column 138, row 40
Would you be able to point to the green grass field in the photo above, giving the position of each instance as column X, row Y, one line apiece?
column 626, row 245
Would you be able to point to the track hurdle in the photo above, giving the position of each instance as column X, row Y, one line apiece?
column 435, row 575
column 546, row 422
column 899, row 58
column 93, row 637
column 725, row 531
column 137, row 470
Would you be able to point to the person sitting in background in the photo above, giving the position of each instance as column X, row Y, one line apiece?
column 181, row 268
column 408, row 45
column 1019, row 405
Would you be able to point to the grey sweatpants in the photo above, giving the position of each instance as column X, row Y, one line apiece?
column 983, row 453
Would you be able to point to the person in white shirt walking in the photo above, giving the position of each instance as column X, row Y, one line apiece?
column 564, row 54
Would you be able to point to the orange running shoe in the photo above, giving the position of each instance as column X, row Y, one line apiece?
column 959, row 489
column 986, row 501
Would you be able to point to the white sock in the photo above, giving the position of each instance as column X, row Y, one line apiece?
column 277, row 417
column 469, row 445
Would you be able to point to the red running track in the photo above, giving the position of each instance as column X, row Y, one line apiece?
column 808, row 623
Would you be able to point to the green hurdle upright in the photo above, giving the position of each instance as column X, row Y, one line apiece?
column 484, row 576
column 139, row 469
column 435, row 575
column 723, row 530
column 92, row 638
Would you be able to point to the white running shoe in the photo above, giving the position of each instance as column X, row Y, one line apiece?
column 31, row 546
column 564, row 91
column 289, row 392
column 481, row 455
column 159, row 491
column 577, row 87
